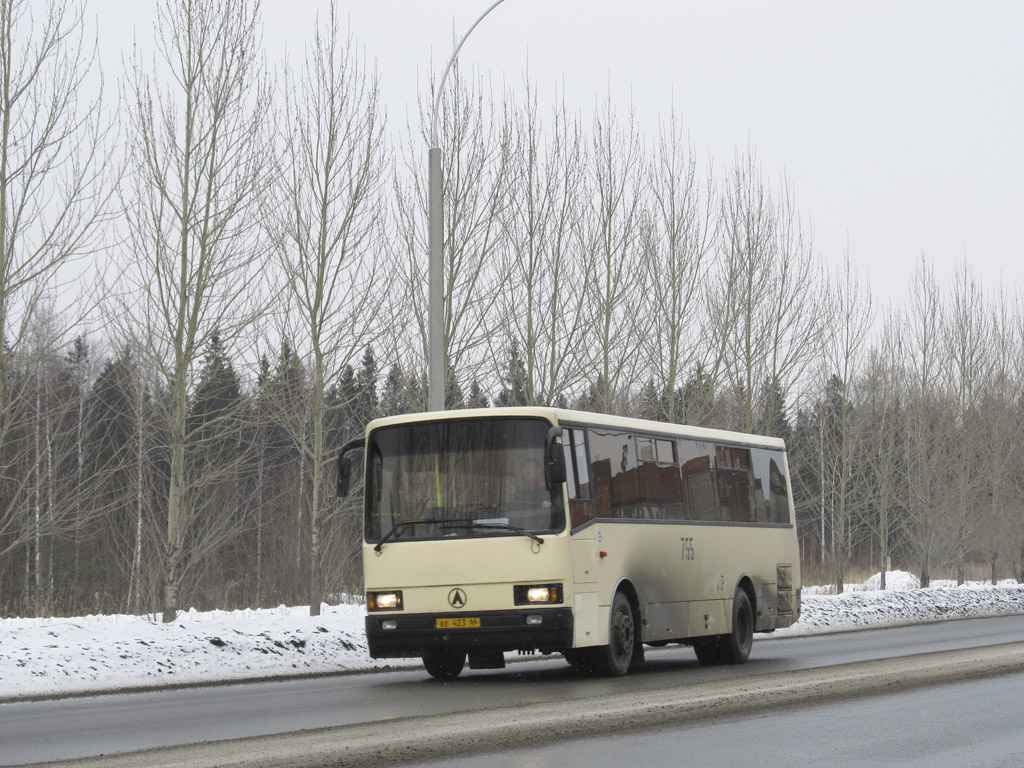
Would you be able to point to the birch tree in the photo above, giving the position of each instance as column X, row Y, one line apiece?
column 327, row 235
column 928, row 438
column 1000, row 522
column 198, row 163
column 542, row 309
column 54, row 188
column 612, row 250
column 844, row 347
column 965, row 356
column 883, row 401
column 681, row 232
column 765, row 299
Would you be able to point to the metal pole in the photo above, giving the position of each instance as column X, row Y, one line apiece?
column 436, row 364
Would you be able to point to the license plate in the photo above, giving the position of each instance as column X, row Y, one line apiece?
column 461, row 622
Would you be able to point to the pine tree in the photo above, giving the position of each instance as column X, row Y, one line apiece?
column 454, row 399
column 366, row 406
column 477, row 396
column 394, row 399
column 513, row 391
column 216, row 401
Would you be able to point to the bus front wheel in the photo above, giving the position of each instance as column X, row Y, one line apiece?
column 613, row 660
column 444, row 665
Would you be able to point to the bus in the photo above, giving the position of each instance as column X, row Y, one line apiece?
column 544, row 530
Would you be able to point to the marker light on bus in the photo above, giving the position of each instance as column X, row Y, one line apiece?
column 533, row 594
column 384, row 601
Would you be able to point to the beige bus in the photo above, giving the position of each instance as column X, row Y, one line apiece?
column 554, row 531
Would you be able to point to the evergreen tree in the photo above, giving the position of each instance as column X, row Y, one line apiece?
column 215, row 405
column 366, row 405
column 653, row 404
column 454, row 399
column 697, row 399
column 771, row 416
column 394, row 399
column 477, row 396
column 595, row 397
column 513, row 390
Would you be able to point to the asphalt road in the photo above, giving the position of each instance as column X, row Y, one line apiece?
column 72, row 728
column 973, row 724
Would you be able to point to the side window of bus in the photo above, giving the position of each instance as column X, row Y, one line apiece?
column 771, row 495
column 613, row 471
column 735, row 483
column 577, row 477
column 699, row 494
column 659, row 493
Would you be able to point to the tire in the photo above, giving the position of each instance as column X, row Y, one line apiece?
column 444, row 665
column 734, row 648
column 707, row 651
column 578, row 658
column 614, row 659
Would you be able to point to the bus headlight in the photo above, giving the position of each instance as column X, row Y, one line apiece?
column 537, row 594
column 384, row 601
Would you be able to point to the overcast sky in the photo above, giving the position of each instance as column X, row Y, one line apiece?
column 899, row 124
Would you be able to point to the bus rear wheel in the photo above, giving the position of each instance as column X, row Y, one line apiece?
column 707, row 652
column 613, row 660
column 733, row 647
column 444, row 665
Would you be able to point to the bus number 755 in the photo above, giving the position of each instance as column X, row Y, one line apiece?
column 688, row 553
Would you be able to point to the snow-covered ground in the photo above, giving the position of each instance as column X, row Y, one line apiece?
column 56, row 657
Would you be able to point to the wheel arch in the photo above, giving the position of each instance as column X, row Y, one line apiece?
column 747, row 585
column 627, row 588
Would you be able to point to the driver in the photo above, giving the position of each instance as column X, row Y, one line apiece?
column 531, row 487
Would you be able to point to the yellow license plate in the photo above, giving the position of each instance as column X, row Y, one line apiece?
column 462, row 622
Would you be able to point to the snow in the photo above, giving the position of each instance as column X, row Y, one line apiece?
column 54, row 657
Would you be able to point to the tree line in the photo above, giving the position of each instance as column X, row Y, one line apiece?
column 249, row 290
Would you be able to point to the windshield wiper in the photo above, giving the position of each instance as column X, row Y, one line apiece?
column 396, row 528
column 496, row 525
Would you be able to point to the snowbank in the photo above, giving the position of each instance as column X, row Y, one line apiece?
column 56, row 657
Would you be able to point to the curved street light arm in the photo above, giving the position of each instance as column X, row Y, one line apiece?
column 448, row 66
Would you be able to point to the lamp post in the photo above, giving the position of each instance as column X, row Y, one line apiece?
column 436, row 373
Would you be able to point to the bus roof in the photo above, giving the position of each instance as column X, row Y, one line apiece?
column 565, row 416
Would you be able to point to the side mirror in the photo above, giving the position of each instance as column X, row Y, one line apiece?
column 554, row 459
column 345, row 466
column 344, row 476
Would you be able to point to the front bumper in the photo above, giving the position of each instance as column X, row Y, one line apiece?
column 415, row 634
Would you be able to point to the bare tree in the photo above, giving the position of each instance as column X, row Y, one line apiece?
column 541, row 310
column 475, row 174
column 191, row 274
column 612, row 251
column 999, row 520
column 326, row 234
column 681, row 232
column 883, row 402
column 765, row 300
column 928, row 435
column 843, row 422
column 965, row 356
column 52, row 190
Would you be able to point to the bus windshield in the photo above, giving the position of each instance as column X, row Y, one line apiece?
column 460, row 478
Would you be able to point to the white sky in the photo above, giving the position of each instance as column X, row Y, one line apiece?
column 899, row 124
